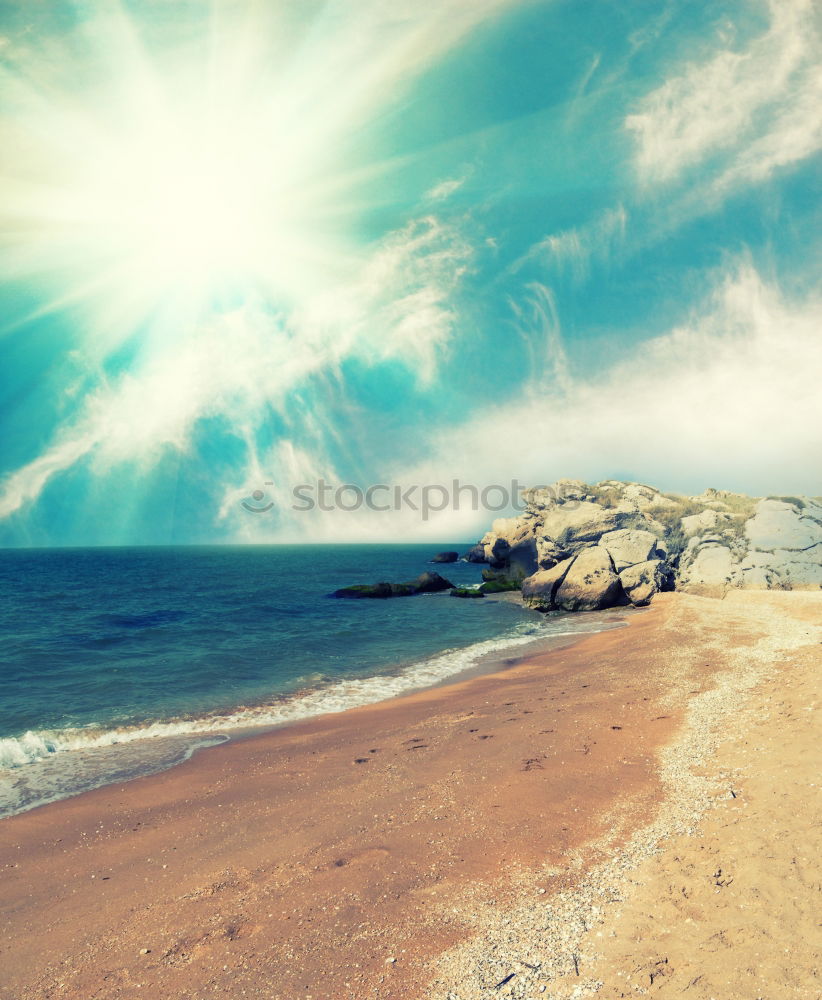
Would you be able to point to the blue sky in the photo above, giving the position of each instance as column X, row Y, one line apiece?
column 246, row 246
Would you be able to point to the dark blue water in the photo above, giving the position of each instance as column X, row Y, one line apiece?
column 150, row 647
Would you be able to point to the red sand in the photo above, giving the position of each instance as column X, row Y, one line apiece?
column 300, row 862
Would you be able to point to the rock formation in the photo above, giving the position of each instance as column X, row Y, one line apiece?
column 425, row 583
column 579, row 547
column 446, row 557
column 590, row 583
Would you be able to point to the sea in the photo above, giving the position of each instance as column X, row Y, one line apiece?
column 119, row 662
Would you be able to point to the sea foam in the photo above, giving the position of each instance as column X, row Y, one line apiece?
column 55, row 751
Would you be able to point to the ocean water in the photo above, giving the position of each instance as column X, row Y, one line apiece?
column 118, row 662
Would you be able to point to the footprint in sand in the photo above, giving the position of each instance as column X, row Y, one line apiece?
column 532, row 764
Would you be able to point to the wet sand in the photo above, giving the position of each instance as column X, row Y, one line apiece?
column 378, row 852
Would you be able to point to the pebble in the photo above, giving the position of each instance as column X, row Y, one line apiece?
column 560, row 924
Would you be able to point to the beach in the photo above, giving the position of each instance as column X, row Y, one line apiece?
column 594, row 817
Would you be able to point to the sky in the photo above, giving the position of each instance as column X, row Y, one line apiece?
column 255, row 252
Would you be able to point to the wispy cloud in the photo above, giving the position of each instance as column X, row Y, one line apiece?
column 398, row 308
column 320, row 295
column 730, row 398
column 572, row 250
column 146, row 172
column 757, row 108
column 399, row 302
column 445, row 188
column 537, row 320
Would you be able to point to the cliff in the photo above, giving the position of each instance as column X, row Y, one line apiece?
column 578, row 547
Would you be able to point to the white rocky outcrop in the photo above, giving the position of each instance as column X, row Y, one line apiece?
column 781, row 525
column 706, row 520
column 630, row 546
column 784, row 544
column 578, row 546
column 706, row 567
column 539, row 590
column 641, row 581
column 590, row 583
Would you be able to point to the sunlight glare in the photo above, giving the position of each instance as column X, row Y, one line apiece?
column 184, row 209
column 168, row 187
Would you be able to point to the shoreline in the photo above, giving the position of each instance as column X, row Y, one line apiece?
column 302, row 861
column 153, row 747
column 609, row 933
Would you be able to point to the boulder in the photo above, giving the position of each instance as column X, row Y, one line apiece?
column 706, row 568
column 782, row 569
column 784, row 539
column 711, row 542
column 425, row 583
column 429, row 583
column 469, row 592
column 778, row 524
column 446, row 557
column 642, row 497
column 642, row 580
column 629, row 546
column 361, row 590
column 549, row 553
column 705, row 520
column 541, row 498
column 476, row 554
column 590, row 583
column 759, row 578
column 510, row 544
column 522, row 558
column 801, row 570
column 539, row 590
column 497, row 553
column 575, row 525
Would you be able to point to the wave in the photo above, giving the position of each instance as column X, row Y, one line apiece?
column 334, row 696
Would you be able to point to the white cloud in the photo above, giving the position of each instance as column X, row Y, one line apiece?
column 132, row 182
column 397, row 308
column 444, row 189
column 795, row 134
column 574, row 249
column 398, row 303
column 298, row 95
column 742, row 105
column 537, row 320
column 730, row 399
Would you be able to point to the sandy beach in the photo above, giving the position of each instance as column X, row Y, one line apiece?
column 633, row 813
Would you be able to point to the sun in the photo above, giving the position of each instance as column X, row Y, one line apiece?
column 185, row 209
column 142, row 186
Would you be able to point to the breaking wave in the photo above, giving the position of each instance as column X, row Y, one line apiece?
column 328, row 697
